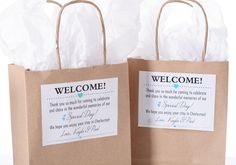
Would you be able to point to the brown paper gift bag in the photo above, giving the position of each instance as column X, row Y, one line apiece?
column 71, row 116
column 178, row 109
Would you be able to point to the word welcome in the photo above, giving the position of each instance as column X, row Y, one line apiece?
column 175, row 79
column 80, row 88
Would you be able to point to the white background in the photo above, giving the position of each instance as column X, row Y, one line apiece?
column 229, row 13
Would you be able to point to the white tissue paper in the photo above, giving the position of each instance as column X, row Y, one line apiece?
column 27, row 34
column 182, row 31
column 123, row 26
column 81, row 34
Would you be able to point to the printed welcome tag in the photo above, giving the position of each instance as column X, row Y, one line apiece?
column 79, row 110
column 177, row 100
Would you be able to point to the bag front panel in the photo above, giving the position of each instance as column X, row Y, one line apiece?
column 100, row 151
column 156, row 146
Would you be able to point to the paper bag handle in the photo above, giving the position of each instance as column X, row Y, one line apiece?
column 54, row 2
column 102, row 24
column 184, row 2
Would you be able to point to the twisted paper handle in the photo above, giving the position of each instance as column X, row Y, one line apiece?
column 183, row 2
column 54, row 2
column 59, row 23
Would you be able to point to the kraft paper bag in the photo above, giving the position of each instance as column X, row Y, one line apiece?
column 71, row 116
column 178, row 110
